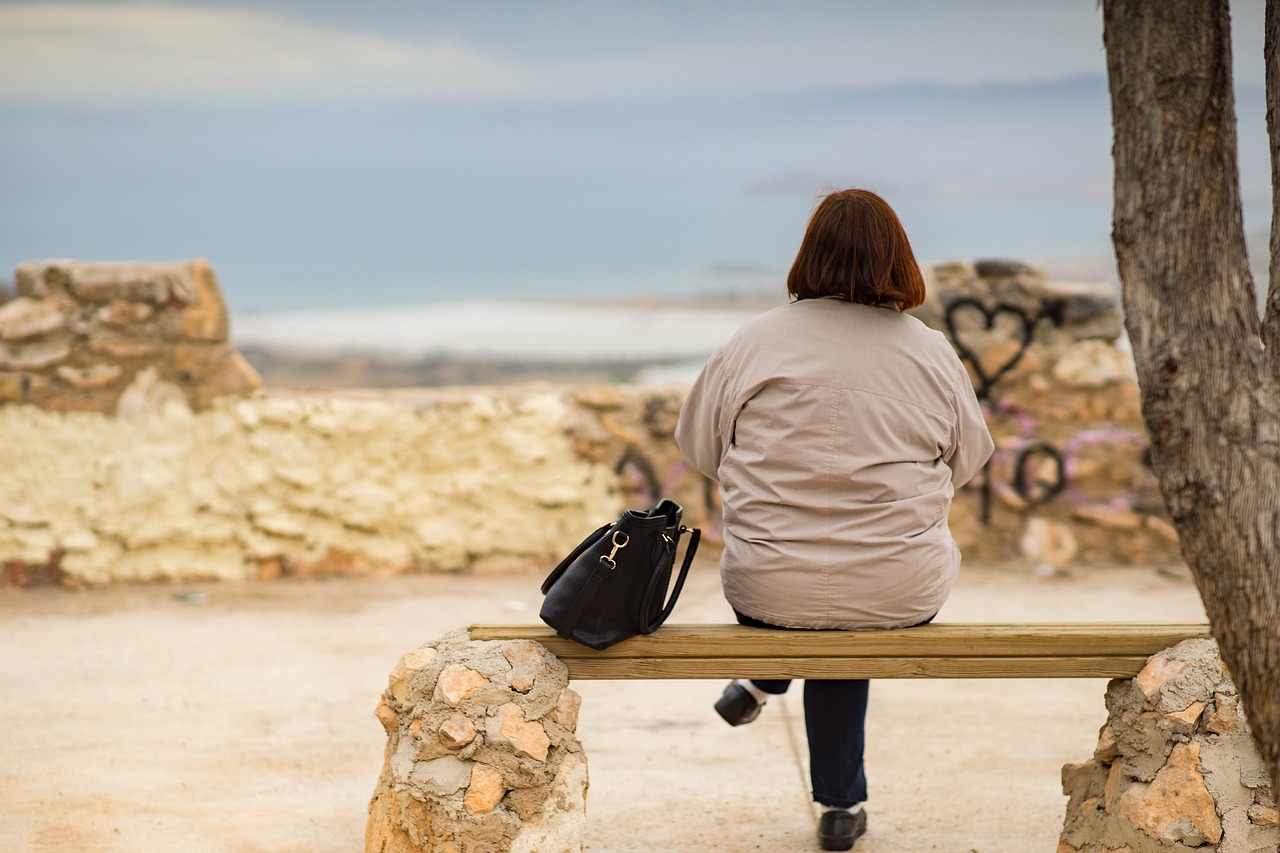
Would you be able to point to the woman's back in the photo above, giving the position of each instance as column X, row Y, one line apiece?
column 836, row 431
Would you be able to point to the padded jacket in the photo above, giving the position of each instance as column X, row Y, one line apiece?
column 837, row 433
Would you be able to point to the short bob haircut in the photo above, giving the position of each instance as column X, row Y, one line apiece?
column 856, row 249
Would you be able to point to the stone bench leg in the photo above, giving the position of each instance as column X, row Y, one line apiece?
column 1175, row 767
column 481, row 753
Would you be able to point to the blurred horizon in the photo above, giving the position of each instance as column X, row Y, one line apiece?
column 328, row 156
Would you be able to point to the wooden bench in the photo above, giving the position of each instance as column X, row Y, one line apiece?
column 961, row 650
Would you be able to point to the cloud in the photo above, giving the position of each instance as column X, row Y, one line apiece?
column 804, row 184
column 109, row 54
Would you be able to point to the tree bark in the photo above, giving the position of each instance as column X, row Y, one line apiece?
column 1208, row 367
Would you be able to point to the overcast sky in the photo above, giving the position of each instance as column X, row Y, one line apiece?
column 326, row 154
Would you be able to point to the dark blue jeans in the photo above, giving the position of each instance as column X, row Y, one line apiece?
column 835, row 719
column 835, row 714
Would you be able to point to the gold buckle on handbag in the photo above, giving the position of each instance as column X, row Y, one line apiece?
column 620, row 541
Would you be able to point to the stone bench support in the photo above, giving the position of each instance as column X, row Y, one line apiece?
column 482, row 756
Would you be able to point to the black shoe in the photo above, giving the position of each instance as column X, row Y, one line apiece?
column 737, row 705
column 838, row 829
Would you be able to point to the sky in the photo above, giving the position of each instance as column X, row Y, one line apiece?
column 325, row 155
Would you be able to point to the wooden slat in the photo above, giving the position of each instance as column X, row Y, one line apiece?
column 828, row 667
column 947, row 640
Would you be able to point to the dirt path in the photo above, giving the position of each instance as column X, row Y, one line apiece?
column 241, row 719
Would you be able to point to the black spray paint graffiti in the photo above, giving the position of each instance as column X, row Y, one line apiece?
column 1030, row 486
column 641, row 471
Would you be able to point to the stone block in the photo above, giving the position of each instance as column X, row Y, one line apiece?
column 1093, row 364
column 441, row 776
column 385, row 715
column 565, row 713
column 1260, row 815
column 1047, row 541
column 34, row 354
column 1176, row 807
column 94, row 376
column 526, row 663
column 458, row 682
column 457, row 732
column 485, row 790
column 26, row 318
column 399, row 682
column 204, row 318
column 526, row 737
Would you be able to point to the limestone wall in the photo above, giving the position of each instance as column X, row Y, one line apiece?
column 484, row 482
column 162, row 472
column 105, row 336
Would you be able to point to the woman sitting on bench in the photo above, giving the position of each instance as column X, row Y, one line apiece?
column 838, row 428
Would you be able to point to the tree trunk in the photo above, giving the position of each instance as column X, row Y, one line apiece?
column 1208, row 368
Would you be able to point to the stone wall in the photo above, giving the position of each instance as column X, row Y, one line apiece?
column 450, row 481
column 165, row 472
column 108, row 337
column 481, row 754
column 1175, row 768
column 1069, row 480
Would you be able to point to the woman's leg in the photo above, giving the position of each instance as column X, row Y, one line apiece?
column 835, row 714
column 772, row 686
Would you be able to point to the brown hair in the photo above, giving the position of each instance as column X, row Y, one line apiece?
column 855, row 249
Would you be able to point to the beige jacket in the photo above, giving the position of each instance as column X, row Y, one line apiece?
column 838, row 433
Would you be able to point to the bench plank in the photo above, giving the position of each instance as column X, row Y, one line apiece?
column 863, row 667
column 960, row 650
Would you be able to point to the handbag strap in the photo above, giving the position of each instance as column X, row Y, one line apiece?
column 689, row 551
column 577, row 552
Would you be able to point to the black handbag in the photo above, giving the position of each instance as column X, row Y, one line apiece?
column 613, row 584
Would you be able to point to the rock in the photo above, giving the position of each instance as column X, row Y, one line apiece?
column 441, row 776
column 525, row 662
column 1222, row 719
column 1106, row 750
column 565, row 713
column 25, row 318
column 1162, row 529
column 385, row 715
column 1156, row 673
column 147, row 394
column 1092, row 364
column 458, row 682
column 401, row 676
column 34, row 354
column 1077, row 775
column 1006, row 268
column 1184, row 722
column 527, row 737
column 1175, row 807
column 602, row 397
column 123, row 348
column 1108, row 517
column 123, row 314
column 1260, row 815
column 485, row 791
column 1047, row 541
column 205, row 316
column 94, row 376
column 456, row 732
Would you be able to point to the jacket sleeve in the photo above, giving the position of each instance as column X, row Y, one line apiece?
column 700, row 429
column 971, row 441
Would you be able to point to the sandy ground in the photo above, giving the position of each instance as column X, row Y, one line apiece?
column 241, row 719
